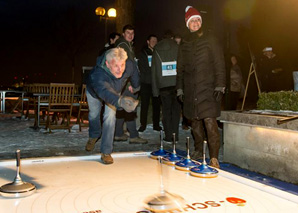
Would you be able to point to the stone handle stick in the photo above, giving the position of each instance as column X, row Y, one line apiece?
column 174, row 143
column 187, row 147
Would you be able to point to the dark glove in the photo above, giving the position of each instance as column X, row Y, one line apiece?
column 180, row 95
column 128, row 103
column 218, row 93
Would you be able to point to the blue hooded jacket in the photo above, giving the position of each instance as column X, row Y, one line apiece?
column 102, row 84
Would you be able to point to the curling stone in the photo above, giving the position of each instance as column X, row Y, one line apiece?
column 164, row 201
column 172, row 158
column 17, row 188
column 204, row 171
column 160, row 152
column 186, row 164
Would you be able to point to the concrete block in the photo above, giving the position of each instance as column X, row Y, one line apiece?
column 273, row 152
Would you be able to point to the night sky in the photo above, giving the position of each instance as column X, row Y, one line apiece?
column 37, row 37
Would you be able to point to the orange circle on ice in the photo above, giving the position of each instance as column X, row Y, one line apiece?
column 235, row 200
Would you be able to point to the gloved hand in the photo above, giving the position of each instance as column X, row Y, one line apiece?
column 180, row 95
column 128, row 103
column 218, row 93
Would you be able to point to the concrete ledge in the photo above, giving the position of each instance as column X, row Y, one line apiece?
column 265, row 120
column 257, row 143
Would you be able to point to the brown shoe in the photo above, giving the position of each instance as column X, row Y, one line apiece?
column 137, row 140
column 185, row 127
column 214, row 163
column 124, row 137
column 90, row 144
column 107, row 158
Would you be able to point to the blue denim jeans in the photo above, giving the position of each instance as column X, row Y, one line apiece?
column 95, row 106
column 108, row 127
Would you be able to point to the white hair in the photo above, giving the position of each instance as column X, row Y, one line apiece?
column 117, row 54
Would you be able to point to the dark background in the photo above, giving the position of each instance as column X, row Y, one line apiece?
column 40, row 40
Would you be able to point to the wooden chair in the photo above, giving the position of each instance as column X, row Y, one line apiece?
column 83, row 108
column 76, row 91
column 60, row 102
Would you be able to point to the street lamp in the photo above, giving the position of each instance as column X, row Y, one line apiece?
column 112, row 13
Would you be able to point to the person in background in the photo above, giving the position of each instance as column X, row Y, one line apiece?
column 104, row 86
column 270, row 71
column 113, row 37
column 201, row 80
column 144, row 64
column 125, row 42
column 164, row 83
column 236, row 83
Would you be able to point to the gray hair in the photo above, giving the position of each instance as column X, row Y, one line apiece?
column 117, row 54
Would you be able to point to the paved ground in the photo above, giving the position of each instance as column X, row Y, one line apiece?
column 16, row 133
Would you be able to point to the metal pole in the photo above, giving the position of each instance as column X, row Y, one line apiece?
column 106, row 20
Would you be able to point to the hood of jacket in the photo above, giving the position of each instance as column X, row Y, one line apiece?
column 165, row 45
column 120, row 40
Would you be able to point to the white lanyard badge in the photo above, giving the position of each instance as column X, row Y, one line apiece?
column 149, row 60
column 169, row 68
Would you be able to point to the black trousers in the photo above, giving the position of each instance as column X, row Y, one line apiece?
column 170, row 112
column 206, row 129
column 146, row 95
column 233, row 100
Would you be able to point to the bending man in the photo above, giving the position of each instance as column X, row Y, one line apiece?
column 104, row 86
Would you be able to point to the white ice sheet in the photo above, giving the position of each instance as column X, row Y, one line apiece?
column 84, row 184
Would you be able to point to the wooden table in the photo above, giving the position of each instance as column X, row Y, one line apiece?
column 16, row 93
column 39, row 104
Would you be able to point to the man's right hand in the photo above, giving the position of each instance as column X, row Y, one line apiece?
column 128, row 103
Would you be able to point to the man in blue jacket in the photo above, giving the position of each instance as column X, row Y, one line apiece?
column 105, row 83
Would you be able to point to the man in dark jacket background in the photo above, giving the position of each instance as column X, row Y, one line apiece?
column 113, row 37
column 105, row 83
column 144, row 64
column 201, row 84
column 125, row 42
column 164, row 63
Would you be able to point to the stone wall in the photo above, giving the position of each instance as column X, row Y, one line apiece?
column 257, row 143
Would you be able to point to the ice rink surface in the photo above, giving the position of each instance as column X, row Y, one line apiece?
column 84, row 185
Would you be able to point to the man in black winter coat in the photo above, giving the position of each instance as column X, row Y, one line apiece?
column 164, row 66
column 200, row 84
column 126, row 42
column 144, row 64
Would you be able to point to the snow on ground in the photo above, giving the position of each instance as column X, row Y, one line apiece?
column 16, row 133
